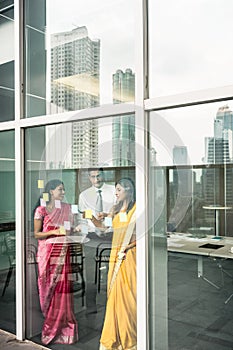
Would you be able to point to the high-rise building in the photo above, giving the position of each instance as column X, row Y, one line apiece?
column 75, row 61
column 123, row 127
column 182, row 177
column 218, row 150
column 180, row 155
column 181, row 190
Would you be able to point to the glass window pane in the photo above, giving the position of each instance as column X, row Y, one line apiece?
column 7, row 61
column 73, row 260
column 78, row 55
column 186, row 40
column 191, row 191
column 7, row 232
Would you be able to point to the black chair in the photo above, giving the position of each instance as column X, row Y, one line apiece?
column 9, row 242
column 102, row 255
column 31, row 252
column 77, row 267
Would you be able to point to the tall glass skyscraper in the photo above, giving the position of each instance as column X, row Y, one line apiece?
column 218, row 150
column 123, row 128
column 75, row 60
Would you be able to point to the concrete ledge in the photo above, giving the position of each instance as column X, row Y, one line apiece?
column 9, row 341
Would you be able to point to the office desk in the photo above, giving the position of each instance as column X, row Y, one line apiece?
column 214, row 248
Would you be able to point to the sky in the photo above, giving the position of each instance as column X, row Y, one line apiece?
column 190, row 49
column 190, row 45
column 187, row 126
column 111, row 21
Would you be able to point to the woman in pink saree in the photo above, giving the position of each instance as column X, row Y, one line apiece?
column 55, row 277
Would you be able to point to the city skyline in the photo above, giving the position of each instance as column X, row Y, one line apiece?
column 74, row 65
column 176, row 125
column 123, row 127
column 112, row 34
column 74, row 62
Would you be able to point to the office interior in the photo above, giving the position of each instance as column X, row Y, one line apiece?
column 144, row 90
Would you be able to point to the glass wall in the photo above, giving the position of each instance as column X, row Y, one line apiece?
column 7, row 60
column 81, row 55
column 78, row 55
column 68, row 258
column 7, row 231
column 191, row 201
column 185, row 45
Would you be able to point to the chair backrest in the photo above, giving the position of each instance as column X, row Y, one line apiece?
column 76, row 249
column 31, row 251
column 9, row 240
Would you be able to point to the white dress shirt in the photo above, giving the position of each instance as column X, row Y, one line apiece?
column 88, row 199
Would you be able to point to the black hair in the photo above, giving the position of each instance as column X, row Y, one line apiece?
column 129, row 187
column 51, row 185
column 95, row 169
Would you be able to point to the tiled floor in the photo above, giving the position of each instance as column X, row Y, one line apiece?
column 198, row 317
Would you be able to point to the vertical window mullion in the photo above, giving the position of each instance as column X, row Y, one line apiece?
column 19, row 188
column 141, row 145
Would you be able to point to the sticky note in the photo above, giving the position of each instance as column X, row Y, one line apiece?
column 40, row 183
column 57, row 204
column 42, row 202
column 46, row 197
column 74, row 209
column 67, row 225
column 88, row 214
column 62, row 230
column 123, row 217
column 108, row 221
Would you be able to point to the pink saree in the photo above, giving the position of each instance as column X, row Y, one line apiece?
column 55, row 281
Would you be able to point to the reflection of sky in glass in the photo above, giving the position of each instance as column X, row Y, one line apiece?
column 106, row 20
column 190, row 45
column 186, row 126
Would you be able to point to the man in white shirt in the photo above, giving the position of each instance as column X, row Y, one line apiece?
column 99, row 198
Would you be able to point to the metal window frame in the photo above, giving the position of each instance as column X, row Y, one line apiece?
column 218, row 94
column 19, row 170
column 19, row 125
column 142, row 107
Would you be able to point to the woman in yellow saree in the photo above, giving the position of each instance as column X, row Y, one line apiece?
column 120, row 324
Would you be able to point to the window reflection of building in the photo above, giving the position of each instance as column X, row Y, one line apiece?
column 182, row 178
column 218, row 150
column 75, row 60
column 7, row 60
column 181, row 199
column 216, row 175
column 123, row 128
column 35, row 85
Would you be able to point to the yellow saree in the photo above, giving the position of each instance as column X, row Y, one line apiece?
column 120, row 324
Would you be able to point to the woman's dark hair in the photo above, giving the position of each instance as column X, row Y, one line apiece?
column 129, row 187
column 51, row 185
